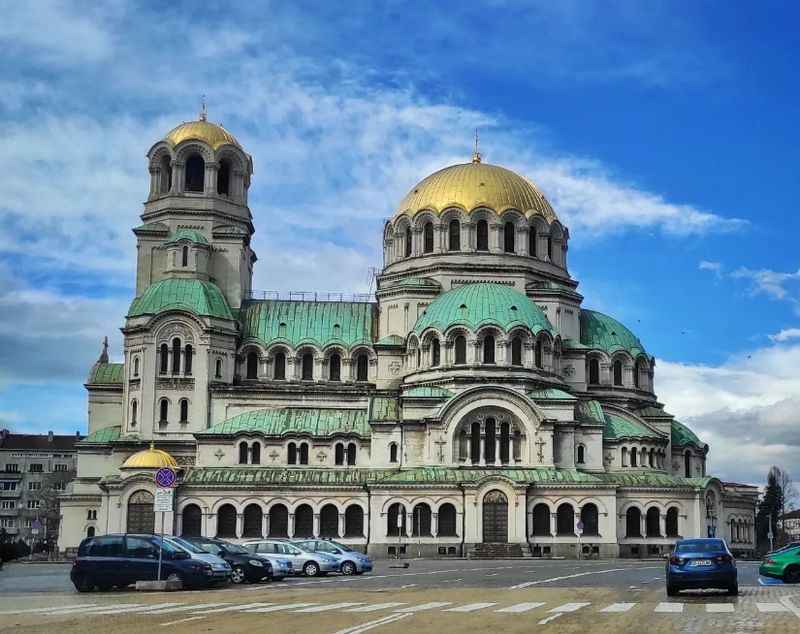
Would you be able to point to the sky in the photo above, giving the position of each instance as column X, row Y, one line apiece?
column 663, row 133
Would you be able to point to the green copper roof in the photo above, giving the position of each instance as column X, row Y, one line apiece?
column 551, row 394
column 682, row 435
column 384, row 409
column 106, row 374
column 601, row 332
column 296, row 322
column 427, row 392
column 191, row 235
column 295, row 420
column 618, row 427
column 653, row 412
column 106, row 434
column 590, row 412
column 196, row 296
column 152, row 227
column 475, row 305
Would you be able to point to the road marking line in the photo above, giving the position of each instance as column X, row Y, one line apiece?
column 546, row 620
column 152, row 606
column 377, row 606
column 771, row 607
column 471, row 607
column 672, row 608
column 234, row 608
column 363, row 627
column 788, row 603
column 618, row 607
column 277, row 608
column 570, row 607
column 186, row 620
column 527, row 584
column 425, row 606
column 716, row 608
column 331, row 606
column 521, row 607
column 186, row 608
column 94, row 609
column 50, row 609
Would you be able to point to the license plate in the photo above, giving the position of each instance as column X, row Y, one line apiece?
column 701, row 562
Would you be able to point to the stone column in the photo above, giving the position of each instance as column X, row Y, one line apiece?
column 522, row 240
column 341, row 525
column 265, row 524
column 290, row 527
column 210, row 178
column 435, row 524
column 239, row 524
column 482, row 456
column 497, row 448
column 315, row 529
column 663, row 524
column 409, row 524
column 643, row 521
column 553, row 524
column 177, row 177
column 417, row 247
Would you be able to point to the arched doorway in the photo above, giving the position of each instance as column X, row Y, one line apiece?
column 141, row 516
column 495, row 518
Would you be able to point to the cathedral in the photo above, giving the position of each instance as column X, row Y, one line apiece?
column 471, row 406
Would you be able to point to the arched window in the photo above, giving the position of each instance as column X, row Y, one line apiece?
column 516, row 351
column 482, row 235
column 184, row 256
column 509, row 245
column 408, row 241
column 195, row 173
column 351, row 453
column 541, row 520
column 589, row 519
column 687, row 464
column 187, row 360
column 255, row 453
column 338, row 451
column 224, row 177
column 617, row 372
column 461, row 350
column 637, row 368
column 565, row 520
column 634, row 457
column 454, row 236
column 488, row 349
column 184, row 410
column 436, row 353
column 303, row 521
column 393, row 452
column 226, row 521
column 279, row 373
column 252, row 365
column 335, row 367
column 192, row 524
column 653, row 522
column 329, row 521
column 166, row 175
column 163, row 410
column 624, row 456
column 141, row 516
column 278, row 521
column 163, row 358
column 291, row 453
column 304, row 453
column 218, row 369
column 672, row 522
column 594, row 371
column 307, row 370
column 581, row 458
column 136, row 366
column 633, row 522
column 475, row 443
column 421, row 520
column 549, row 248
column 354, row 521
column 505, row 443
column 253, row 521
column 361, row 367
column 537, row 354
column 651, row 458
column 396, row 520
column 243, row 452
column 532, row 237
column 447, row 521
column 427, row 238
column 176, row 356
column 490, row 436
column 134, row 412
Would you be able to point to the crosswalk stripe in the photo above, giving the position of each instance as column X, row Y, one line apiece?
column 425, row 606
column 47, row 609
column 234, row 608
column 143, row 608
column 92, row 610
column 376, row 607
column 618, row 607
column 570, row 607
column 771, row 607
column 470, row 607
column 716, row 608
column 521, row 607
column 278, row 608
column 332, row 606
column 186, row 608
column 670, row 608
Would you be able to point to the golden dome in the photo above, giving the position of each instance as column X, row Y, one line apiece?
column 476, row 184
column 212, row 133
column 151, row 458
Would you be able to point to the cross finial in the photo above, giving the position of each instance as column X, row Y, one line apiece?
column 104, row 354
column 203, row 111
column 476, row 155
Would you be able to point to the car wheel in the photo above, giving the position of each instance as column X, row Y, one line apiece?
column 792, row 574
column 672, row 591
column 238, row 575
column 733, row 590
column 348, row 568
column 311, row 569
column 174, row 576
column 84, row 584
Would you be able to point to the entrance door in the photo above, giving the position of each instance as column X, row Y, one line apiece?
column 495, row 518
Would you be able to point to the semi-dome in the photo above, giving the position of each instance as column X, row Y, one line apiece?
column 483, row 303
column 151, row 458
column 601, row 332
column 177, row 293
column 211, row 133
column 471, row 185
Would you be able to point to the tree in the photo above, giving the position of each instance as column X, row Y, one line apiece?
column 784, row 480
column 770, row 508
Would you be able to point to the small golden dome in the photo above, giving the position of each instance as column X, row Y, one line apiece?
column 151, row 458
column 476, row 184
column 212, row 133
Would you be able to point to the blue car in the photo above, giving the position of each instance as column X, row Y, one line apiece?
column 351, row 562
column 701, row 563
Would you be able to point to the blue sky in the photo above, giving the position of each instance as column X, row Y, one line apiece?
column 664, row 134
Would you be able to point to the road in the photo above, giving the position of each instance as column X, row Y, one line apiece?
column 556, row 596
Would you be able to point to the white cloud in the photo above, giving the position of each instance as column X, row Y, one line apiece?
column 770, row 283
column 786, row 334
column 715, row 267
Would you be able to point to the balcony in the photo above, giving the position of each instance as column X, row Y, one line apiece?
column 7, row 495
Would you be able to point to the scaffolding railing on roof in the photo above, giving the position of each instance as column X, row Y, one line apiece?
column 311, row 296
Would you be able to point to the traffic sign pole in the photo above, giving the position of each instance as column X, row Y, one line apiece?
column 165, row 479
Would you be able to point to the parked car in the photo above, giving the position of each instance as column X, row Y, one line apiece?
column 351, row 562
column 246, row 566
column 701, row 563
column 782, row 564
column 788, row 546
column 121, row 559
column 303, row 561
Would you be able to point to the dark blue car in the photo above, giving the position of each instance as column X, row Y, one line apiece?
column 701, row 563
column 111, row 561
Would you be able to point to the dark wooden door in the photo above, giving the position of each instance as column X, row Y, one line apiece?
column 495, row 518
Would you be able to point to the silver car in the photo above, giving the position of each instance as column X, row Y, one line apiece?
column 303, row 561
column 218, row 565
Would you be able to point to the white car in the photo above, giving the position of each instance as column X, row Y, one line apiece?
column 304, row 562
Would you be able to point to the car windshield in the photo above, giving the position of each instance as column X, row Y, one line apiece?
column 346, row 549
column 187, row 545
column 235, row 549
column 210, row 548
column 700, row 546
